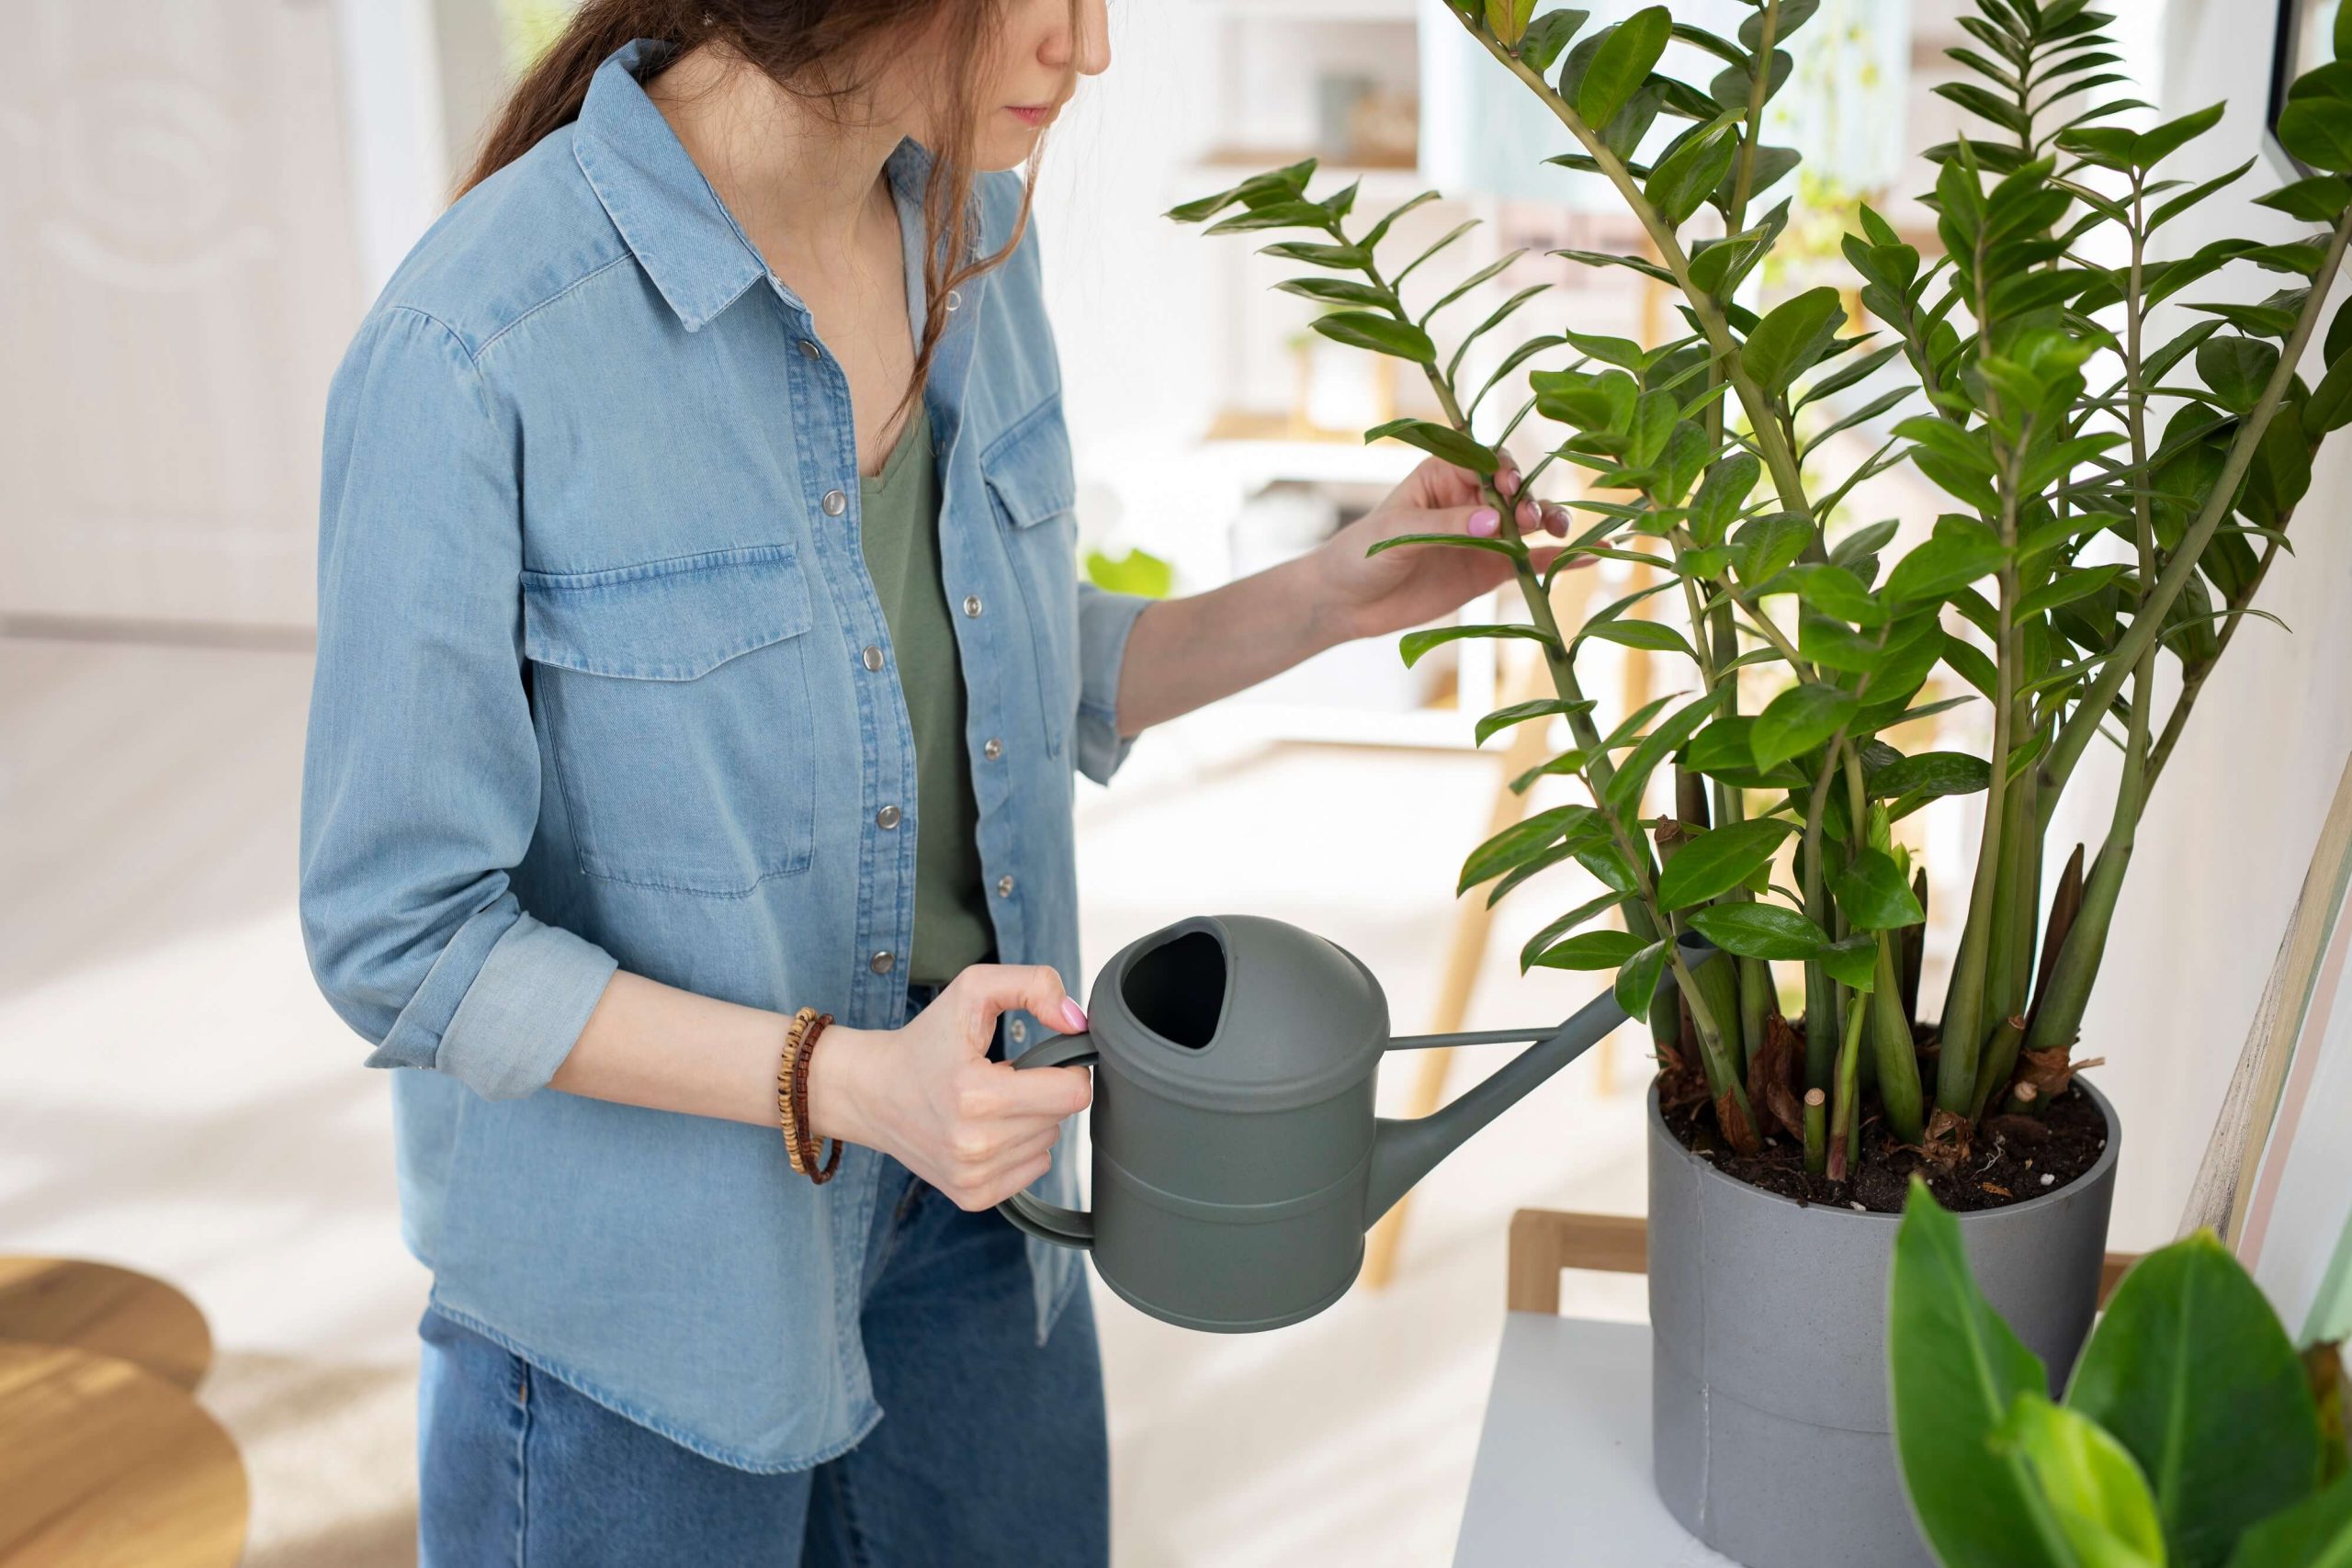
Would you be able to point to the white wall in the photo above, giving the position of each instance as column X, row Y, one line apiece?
column 2223, row 850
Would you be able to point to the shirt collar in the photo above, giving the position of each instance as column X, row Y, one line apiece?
column 681, row 234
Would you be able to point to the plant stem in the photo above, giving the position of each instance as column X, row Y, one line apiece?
column 2193, row 681
column 1643, row 916
column 1845, row 1125
column 1817, row 1131
column 1963, row 1029
column 1892, row 1049
column 1771, row 442
column 1758, row 82
column 2147, row 625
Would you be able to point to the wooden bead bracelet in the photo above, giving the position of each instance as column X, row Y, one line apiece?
column 792, row 1097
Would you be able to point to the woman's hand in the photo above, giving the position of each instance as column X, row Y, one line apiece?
column 928, row 1096
column 1370, row 596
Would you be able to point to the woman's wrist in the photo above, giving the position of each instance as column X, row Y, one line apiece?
column 836, row 1100
column 1331, row 617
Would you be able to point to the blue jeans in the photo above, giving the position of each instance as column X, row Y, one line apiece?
column 991, row 1449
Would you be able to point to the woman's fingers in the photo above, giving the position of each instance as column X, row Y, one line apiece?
column 983, row 1179
column 993, row 989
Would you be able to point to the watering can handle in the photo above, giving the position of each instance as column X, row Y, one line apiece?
column 1051, row 1222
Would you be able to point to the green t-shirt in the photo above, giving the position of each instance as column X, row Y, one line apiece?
column 900, row 529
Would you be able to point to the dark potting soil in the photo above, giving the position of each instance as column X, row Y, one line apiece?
column 2012, row 1158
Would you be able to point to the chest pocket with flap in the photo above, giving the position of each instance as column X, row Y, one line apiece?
column 675, row 698
column 1034, row 490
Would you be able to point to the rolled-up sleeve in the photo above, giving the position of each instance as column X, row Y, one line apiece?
column 421, row 772
column 1105, row 621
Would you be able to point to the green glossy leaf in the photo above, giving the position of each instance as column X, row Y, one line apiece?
column 1502, row 718
column 1547, row 36
column 1851, row 961
column 1791, row 337
column 1760, row 930
column 1447, row 541
column 2330, row 405
column 1954, row 1369
column 1955, row 558
column 1339, row 291
column 1713, row 862
column 2314, row 1533
column 1931, row 774
column 1875, row 895
column 1637, row 981
column 1382, row 334
column 2065, row 587
column 1414, row 644
column 2192, row 1373
column 1655, row 636
column 1507, row 19
column 1341, row 257
column 1798, row 720
column 2234, row 370
column 2093, row 1488
column 2318, row 130
column 1682, row 180
column 1834, row 591
column 1609, row 867
column 1622, row 63
column 1551, row 934
column 1722, row 494
column 1632, row 773
column 1438, row 441
column 1622, row 352
column 1591, row 950
column 2151, row 147
column 1528, row 837
column 1768, row 545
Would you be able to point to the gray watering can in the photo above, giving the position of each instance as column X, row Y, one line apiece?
column 1237, row 1162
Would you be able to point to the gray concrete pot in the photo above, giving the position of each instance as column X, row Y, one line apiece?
column 1770, row 1420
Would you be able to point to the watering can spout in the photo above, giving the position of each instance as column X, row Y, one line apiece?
column 1405, row 1151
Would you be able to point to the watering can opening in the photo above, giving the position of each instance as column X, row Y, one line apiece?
column 1177, row 989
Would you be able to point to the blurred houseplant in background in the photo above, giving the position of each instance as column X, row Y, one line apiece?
column 2115, row 482
column 2191, row 1433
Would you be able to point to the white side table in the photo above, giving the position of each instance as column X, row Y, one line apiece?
column 1563, row 1473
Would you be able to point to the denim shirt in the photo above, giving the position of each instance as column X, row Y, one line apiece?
column 603, row 681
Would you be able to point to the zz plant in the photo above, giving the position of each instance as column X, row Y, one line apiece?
column 2192, row 1434
column 2115, row 482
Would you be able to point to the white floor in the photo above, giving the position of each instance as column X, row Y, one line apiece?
column 175, row 1095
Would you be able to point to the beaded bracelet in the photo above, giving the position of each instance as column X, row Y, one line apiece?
column 787, row 1113
column 807, row 1136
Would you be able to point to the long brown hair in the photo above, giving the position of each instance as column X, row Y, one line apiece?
column 809, row 47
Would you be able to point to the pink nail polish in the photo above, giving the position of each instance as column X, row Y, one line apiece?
column 1485, row 522
column 1073, row 1016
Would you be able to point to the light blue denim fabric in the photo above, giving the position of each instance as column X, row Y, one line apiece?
column 593, row 689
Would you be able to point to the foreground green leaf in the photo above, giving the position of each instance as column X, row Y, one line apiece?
column 2093, row 1489
column 1954, row 1369
column 2192, row 1373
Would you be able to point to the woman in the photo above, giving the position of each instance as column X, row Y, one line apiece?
column 699, row 643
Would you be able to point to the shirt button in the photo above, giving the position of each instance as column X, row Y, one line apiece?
column 971, row 604
column 872, row 657
column 887, row 818
column 834, row 504
column 1005, row 886
column 881, row 962
column 993, row 749
column 1018, row 1030
column 955, row 299
column 809, row 350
